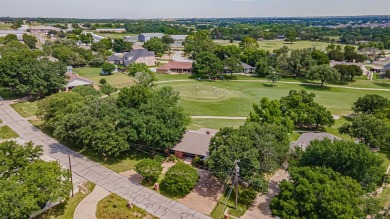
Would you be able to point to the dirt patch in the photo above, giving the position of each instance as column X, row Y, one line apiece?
column 206, row 193
column 132, row 176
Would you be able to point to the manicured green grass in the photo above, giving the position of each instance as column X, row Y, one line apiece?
column 66, row 210
column 118, row 79
column 220, row 208
column 271, row 45
column 26, row 109
column 168, row 77
column 294, row 136
column 114, row 206
column 243, row 94
column 214, row 123
column 124, row 162
column 115, row 35
column 7, row 133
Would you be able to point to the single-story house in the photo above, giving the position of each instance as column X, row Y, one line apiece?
column 177, row 67
column 145, row 37
column 194, row 143
column 134, row 56
column 245, row 69
column 306, row 138
column 75, row 80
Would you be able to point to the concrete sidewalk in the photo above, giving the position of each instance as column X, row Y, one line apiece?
column 87, row 207
column 86, row 169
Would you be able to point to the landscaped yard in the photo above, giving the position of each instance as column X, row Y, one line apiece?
column 118, row 79
column 26, row 109
column 228, row 201
column 66, row 210
column 114, row 206
column 7, row 133
column 271, row 45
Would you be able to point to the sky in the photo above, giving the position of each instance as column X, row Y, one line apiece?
column 134, row 9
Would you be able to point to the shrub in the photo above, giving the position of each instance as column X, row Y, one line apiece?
column 171, row 158
column 149, row 169
column 197, row 161
column 179, row 180
column 246, row 196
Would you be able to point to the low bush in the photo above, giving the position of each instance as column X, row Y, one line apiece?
column 179, row 180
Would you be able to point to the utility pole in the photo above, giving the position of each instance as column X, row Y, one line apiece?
column 236, row 175
column 71, row 178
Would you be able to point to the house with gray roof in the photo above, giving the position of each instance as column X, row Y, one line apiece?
column 134, row 56
column 246, row 69
column 194, row 143
column 145, row 37
column 306, row 138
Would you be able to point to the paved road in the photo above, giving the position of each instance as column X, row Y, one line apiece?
column 178, row 56
column 86, row 209
column 261, row 210
column 83, row 168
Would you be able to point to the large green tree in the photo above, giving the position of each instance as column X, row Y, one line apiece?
column 23, row 73
column 323, row 73
column 121, row 45
column 270, row 112
column 207, row 63
column 300, row 107
column 372, row 131
column 370, row 104
column 28, row 183
column 234, row 65
column 30, row 40
column 318, row 192
column 248, row 43
column 259, row 148
column 156, row 45
column 348, row 158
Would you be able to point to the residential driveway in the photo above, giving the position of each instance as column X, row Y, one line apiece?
column 204, row 197
column 85, row 169
column 260, row 209
column 178, row 56
column 87, row 207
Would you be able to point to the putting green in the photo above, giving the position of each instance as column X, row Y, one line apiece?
column 201, row 92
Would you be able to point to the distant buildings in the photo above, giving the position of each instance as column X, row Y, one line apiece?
column 74, row 80
column 246, row 69
column 43, row 29
column 178, row 40
column 134, row 56
column 145, row 37
column 131, row 39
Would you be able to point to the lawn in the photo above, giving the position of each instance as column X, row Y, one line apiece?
column 271, row 45
column 118, row 79
column 235, row 98
column 214, row 123
column 26, row 109
column 66, row 210
column 124, row 162
column 114, row 206
column 115, row 35
column 7, row 133
column 6, row 26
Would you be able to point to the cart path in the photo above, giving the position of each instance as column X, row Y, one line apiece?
column 287, row 82
column 85, row 169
